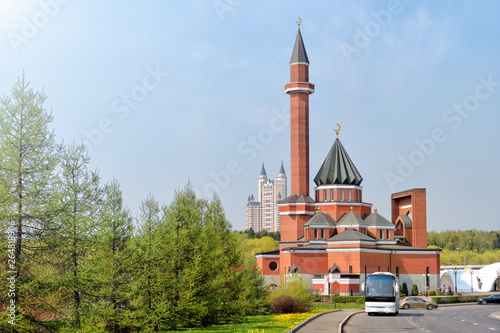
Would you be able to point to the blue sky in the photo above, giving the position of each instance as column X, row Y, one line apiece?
column 166, row 91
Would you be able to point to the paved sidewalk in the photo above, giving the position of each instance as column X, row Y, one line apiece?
column 328, row 322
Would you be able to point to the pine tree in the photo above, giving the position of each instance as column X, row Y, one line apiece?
column 202, row 281
column 79, row 199
column 112, row 263
column 27, row 172
column 145, row 264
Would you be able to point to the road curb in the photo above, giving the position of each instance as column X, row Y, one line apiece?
column 346, row 319
column 305, row 322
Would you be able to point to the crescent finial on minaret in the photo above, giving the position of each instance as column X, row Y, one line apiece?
column 298, row 22
column 337, row 130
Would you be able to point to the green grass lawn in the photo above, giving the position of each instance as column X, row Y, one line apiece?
column 273, row 323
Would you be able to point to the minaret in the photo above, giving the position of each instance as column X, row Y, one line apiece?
column 297, row 209
column 299, row 89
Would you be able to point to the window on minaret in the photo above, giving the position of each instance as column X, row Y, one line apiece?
column 348, row 195
column 341, row 195
column 315, row 233
column 322, row 233
column 388, row 234
column 324, row 195
column 331, row 194
column 381, row 234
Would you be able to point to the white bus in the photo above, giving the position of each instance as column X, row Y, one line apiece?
column 381, row 293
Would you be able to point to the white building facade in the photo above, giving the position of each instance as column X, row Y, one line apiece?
column 263, row 214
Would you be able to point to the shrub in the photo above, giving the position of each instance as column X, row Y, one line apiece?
column 457, row 299
column 348, row 299
column 288, row 304
column 432, row 293
column 414, row 290
column 404, row 289
column 294, row 286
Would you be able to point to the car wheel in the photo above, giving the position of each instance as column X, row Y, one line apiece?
column 484, row 302
column 429, row 307
column 406, row 306
column 370, row 314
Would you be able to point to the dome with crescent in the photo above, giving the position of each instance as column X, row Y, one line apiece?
column 338, row 169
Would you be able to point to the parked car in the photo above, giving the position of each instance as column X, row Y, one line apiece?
column 489, row 299
column 416, row 302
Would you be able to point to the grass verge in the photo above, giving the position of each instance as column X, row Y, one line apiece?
column 278, row 323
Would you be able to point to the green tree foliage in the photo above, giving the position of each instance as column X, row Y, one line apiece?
column 414, row 290
column 263, row 233
column 146, row 270
column 469, row 240
column 29, row 157
column 73, row 238
column 471, row 247
column 251, row 246
column 293, row 285
column 112, row 264
column 404, row 289
column 199, row 279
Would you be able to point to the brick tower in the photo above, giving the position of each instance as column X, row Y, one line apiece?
column 299, row 90
column 296, row 209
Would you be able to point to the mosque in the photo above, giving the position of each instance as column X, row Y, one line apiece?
column 335, row 239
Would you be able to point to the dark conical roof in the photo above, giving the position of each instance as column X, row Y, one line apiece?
column 338, row 168
column 299, row 54
column 263, row 170
column 282, row 170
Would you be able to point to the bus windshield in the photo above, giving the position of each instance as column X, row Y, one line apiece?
column 380, row 288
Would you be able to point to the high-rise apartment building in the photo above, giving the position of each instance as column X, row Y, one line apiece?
column 263, row 214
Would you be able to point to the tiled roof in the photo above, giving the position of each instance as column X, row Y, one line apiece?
column 351, row 220
column 273, row 252
column 406, row 221
column 338, row 168
column 334, row 269
column 321, row 219
column 299, row 54
column 298, row 199
column 351, row 235
column 377, row 220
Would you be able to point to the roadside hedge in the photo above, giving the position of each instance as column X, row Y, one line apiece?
column 349, row 299
column 457, row 299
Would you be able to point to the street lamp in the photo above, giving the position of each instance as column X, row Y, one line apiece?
column 455, row 271
column 426, row 275
column 471, row 274
column 497, row 281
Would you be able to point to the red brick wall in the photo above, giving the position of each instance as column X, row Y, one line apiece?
column 299, row 143
column 417, row 236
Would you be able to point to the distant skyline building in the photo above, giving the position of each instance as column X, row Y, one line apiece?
column 263, row 214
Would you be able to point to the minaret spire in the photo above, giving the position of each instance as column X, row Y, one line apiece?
column 299, row 90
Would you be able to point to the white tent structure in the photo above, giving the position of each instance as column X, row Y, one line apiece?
column 489, row 276
column 465, row 278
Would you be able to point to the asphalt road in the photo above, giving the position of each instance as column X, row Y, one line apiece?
column 464, row 318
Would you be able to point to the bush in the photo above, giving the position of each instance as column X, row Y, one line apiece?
column 414, row 290
column 294, row 286
column 432, row 293
column 404, row 289
column 348, row 299
column 288, row 304
column 457, row 299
